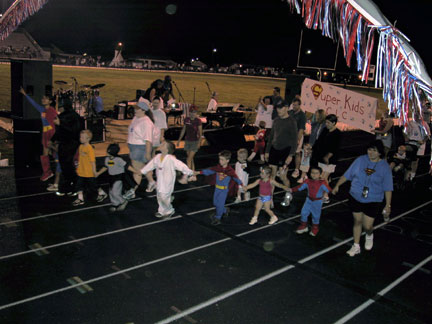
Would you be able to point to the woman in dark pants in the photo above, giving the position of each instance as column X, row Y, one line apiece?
column 69, row 126
column 371, row 182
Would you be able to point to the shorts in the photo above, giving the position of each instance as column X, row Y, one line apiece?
column 259, row 147
column 372, row 209
column 278, row 157
column 300, row 145
column 191, row 146
column 137, row 152
column 386, row 139
column 328, row 168
column 264, row 198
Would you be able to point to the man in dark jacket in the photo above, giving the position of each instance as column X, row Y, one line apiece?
column 69, row 125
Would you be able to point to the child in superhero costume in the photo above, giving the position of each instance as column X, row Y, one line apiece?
column 313, row 204
column 226, row 183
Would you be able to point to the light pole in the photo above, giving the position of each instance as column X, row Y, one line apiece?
column 214, row 51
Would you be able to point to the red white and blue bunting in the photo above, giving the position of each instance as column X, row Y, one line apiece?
column 19, row 11
column 400, row 71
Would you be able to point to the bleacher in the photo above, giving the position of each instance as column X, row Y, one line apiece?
column 20, row 45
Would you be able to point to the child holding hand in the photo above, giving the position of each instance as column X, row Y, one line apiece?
column 265, row 194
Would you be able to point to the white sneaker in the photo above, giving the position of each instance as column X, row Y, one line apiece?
column 253, row 220
column 368, row 242
column 355, row 249
column 52, row 187
column 237, row 200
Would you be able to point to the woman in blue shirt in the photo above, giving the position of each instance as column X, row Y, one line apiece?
column 371, row 182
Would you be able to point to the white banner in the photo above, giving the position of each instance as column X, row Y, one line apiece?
column 350, row 107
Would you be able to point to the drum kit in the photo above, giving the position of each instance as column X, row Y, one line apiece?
column 78, row 95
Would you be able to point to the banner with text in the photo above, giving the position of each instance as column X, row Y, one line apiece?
column 350, row 107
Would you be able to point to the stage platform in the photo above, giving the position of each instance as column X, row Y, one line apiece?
column 64, row 264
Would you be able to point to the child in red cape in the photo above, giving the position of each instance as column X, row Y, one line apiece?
column 226, row 182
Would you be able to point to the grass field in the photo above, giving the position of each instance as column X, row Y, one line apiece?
column 122, row 84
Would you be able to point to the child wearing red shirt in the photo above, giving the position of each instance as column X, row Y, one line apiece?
column 259, row 143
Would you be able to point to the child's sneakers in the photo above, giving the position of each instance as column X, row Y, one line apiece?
column 78, row 202
column 237, row 200
column 303, row 228
column 314, row 230
column 273, row 220
column 101, row 197
column 253, row 220
column 368, row 242
column 130, row 194
column 53, row 187
column 151, row 186
column 355, row 249
column 122, row 206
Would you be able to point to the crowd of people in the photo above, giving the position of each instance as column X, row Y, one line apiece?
column 279, row 142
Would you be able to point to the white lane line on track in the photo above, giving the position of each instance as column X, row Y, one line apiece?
column 270, row 275
column 122, row 272
column 369, row 302
column 74, row 240
column 213, row 300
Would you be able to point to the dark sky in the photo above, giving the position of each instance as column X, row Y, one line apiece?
column 260, row 32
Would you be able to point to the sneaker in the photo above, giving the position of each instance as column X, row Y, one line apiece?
column 355, row 249
column 102, row 197
column 368, row 242
column 112, row 209
column 237, row 200
column 60, row 194
column 215, row 221
column 326, row 200
column 78, row 202
column 295, row 174
column 52, row 187
column 253, row 220
column 129, row 194
column 273, row 220
column 158, row 215
column 226, row 214
column 46, row 176
column 72, row 194
column 167, row 216
column 122, row 206
column 314, row 230
column 151, row 186
column 303, row 228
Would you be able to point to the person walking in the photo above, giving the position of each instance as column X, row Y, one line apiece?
column 371, row 183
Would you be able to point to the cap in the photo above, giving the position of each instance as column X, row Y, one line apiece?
column 144, row 104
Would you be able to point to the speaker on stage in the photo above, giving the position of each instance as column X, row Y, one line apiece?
column 293, row 86
column 97, row 127
column 36, row 79
column 230, row 138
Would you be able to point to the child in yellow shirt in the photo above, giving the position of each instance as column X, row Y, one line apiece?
column 86, row 171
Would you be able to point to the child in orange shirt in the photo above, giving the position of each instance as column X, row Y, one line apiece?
column 86, row 171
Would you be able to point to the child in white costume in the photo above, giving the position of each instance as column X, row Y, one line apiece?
column 166, row 166
column 242, row 171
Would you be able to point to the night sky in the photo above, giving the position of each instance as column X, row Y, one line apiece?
column 262, row 32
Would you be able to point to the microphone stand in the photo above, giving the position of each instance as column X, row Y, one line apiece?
column 194, row 96
column 180, row 94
